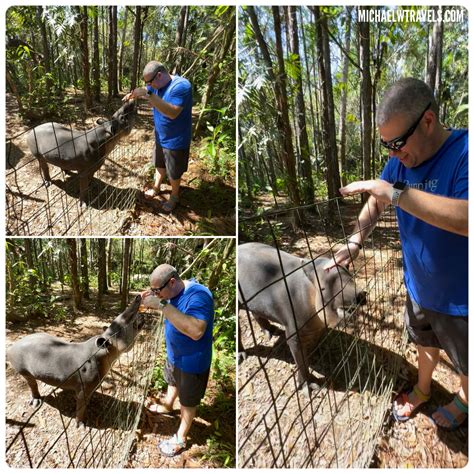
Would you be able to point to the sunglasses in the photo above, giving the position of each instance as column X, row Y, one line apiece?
column 152, row 79
column 157, row 290
column 398, row 143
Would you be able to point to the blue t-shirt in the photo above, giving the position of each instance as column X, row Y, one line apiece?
column 435, row 261
column 183, row 352
column 174, row 134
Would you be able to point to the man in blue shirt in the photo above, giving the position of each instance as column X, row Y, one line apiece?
column 171, row 99
column 188, row 308
column 426, row 178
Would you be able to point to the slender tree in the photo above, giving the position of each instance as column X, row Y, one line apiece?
column 435, row 50
column 305, row 158
column 102, row 273
column 113, row 87
column 96, row 57
column 328, row 116
column 127, row 249
column 345, row 90
column 83, row 38
column 366, row 97
column 72, row 257
column 84, row 269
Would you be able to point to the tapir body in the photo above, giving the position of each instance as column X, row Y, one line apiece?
column 79, row 366
column 80, row 151
column 307, row 301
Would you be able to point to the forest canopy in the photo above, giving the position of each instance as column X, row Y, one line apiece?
column 58, row 55
column 321, row 71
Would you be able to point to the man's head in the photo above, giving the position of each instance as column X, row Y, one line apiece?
column 407, row 119
column 156, row 75
column 165, row 282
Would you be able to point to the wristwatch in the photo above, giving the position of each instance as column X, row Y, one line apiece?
column 398, row 189
column 149, row 93
column 163, row 303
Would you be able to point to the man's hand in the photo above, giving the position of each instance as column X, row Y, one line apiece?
column 149, row 300
column 380, row 189
column 135, row 94
column 344, row 256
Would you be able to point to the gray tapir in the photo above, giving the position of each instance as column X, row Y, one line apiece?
column 319, row 298
column 81, row 151
column 79, row 366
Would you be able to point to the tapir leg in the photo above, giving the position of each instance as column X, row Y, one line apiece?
column 35, row 401
column 269, row 329
column 84, row 186
column 44, row 170
column 242, row 355
column 82, row 397
column 297, row 352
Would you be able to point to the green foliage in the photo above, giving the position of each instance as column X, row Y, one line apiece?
column 219, row 451
column 404, row 46
column 218, row 149
column 158, row 379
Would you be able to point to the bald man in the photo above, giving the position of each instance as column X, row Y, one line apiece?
column 188, row 308
column 426, row 180
column 171, row 99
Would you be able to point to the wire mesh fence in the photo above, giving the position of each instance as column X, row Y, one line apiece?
column 48, row 437
column 111, row 180
column 354, row 363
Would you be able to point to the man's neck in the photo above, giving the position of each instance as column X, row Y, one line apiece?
column 442, row 136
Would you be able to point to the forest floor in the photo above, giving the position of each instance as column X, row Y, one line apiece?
column 211, row 440
column 418, row 443
column 116, row 203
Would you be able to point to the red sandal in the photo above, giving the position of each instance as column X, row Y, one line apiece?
column 402, row 400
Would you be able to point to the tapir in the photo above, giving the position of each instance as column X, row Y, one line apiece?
column 77, row 366
column 311, row 300
column 81, row 151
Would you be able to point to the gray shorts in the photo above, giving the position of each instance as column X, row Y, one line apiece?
column 191, row 387
column 432, row 329
column 175, row 161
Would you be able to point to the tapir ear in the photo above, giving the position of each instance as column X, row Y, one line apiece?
column 103, row 343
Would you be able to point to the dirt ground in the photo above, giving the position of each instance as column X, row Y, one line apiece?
column 116, row 204
column 332, row 428
column 55, row 419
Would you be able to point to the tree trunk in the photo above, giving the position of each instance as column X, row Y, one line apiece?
column 245, row 167
column 227, row 42
column 366, row 98
column 45, row 47
column 279, row 84
column 344, row 79
column 29, row 261
column 109, row 264
column 125, row 272
column 307, row 172
column 288, row 151
column 435, row 51
column 310, row 92
column 72, row 257
column 14, row 90
column 180, row 39
column 137, row 32
column 96, row 57
column 216, row 272
column 102, row 272
column 329, row 124
column 82, row 14
column 84, row 270
column 112, row 79
column 122, row 49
